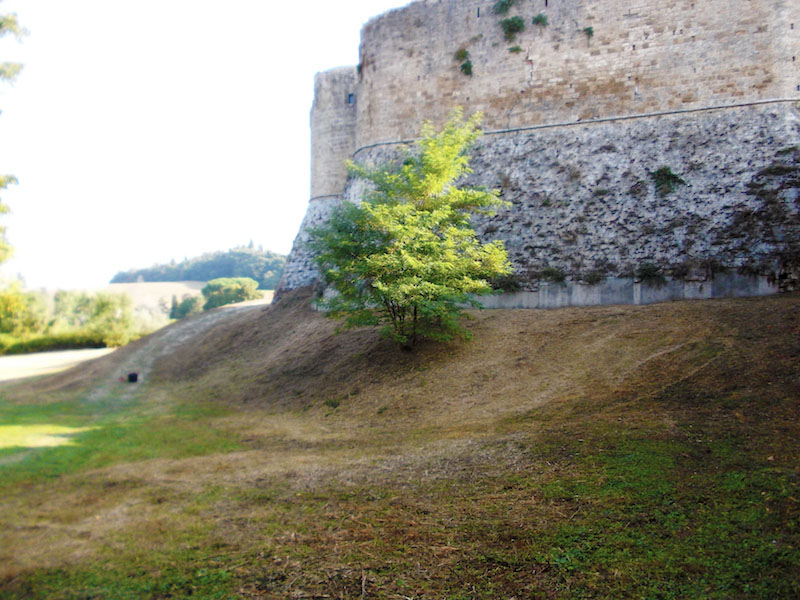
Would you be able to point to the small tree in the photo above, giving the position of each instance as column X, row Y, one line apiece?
column 188, row 306
column 228, row 290
column 407, row 258
column 21, row 313
column 110, row 316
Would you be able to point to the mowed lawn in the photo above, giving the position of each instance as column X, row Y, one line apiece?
column 610, row 452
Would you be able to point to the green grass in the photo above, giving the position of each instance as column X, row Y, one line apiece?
column 134, row 582
column 661, row 520
column 598, row 511
column 105, row 434
column 101, row 434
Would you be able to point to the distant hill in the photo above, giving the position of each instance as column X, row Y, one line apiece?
column 262, row 265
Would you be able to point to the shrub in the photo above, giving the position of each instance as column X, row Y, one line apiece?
column 666, row 181
column 540, row 20
column 507, row 283
column 515, row 49
column 501, row 7
column 72, row 340
column 594, row 277
column 466, row 68
column 589, row 32
column 512, row 26
column 229, row 290
column 553, row 274
column 462, row 55
column 21, row 313
column 188, row 306
column 650, row 274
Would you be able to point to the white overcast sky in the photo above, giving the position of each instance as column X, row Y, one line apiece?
column 149, row 130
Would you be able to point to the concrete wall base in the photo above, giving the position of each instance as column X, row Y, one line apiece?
column 618, row 290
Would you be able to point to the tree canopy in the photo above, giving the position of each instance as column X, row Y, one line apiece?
column 8, row 71
column 407, row 258
column 229, row 290
column 10, row 26
column 262, row 265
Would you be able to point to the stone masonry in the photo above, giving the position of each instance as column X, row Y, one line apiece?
column 581, row 116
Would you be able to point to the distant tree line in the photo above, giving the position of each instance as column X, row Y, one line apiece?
column 33, row 321
column 263, row 266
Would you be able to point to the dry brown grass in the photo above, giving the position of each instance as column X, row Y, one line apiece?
column 361, row 465
column 288, row 357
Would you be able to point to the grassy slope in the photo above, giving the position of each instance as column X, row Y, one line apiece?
column 613, row 452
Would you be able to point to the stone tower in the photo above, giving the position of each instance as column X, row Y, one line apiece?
column 333, row 128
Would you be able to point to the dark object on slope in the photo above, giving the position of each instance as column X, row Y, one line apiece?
column 133, row 377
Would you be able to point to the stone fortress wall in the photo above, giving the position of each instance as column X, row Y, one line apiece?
column 577, row 126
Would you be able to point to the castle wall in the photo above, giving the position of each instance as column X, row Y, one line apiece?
column 333, row 134
column 788, row 17
column 584, row 203
column 644, row 56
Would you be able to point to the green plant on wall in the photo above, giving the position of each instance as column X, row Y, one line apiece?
column 501, row 7
column 540, row 20
column 512, row 26
column 588, row 32
column 553, row 275
column 515, row 49
column 462, row 56
column 666, row 181
column 650, row 274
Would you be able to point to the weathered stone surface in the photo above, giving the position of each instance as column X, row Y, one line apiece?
column 644, row 56
column 585, row 202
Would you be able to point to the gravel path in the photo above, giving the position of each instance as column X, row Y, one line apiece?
column 20, row 366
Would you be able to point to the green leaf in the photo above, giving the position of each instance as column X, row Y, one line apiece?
column 408, row 258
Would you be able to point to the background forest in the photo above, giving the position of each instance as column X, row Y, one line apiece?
column 32, row 321
column 246, row 261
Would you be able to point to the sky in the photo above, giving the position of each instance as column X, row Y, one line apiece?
column 142, row 132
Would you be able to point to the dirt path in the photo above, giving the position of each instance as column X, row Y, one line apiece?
column 41, row 363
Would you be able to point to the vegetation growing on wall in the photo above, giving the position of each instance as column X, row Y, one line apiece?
column 553, row 274
column 462, row 56
column 666, row 181
column 501, row 7
column 651, row 274
column 540, row 20
column 512, row 26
